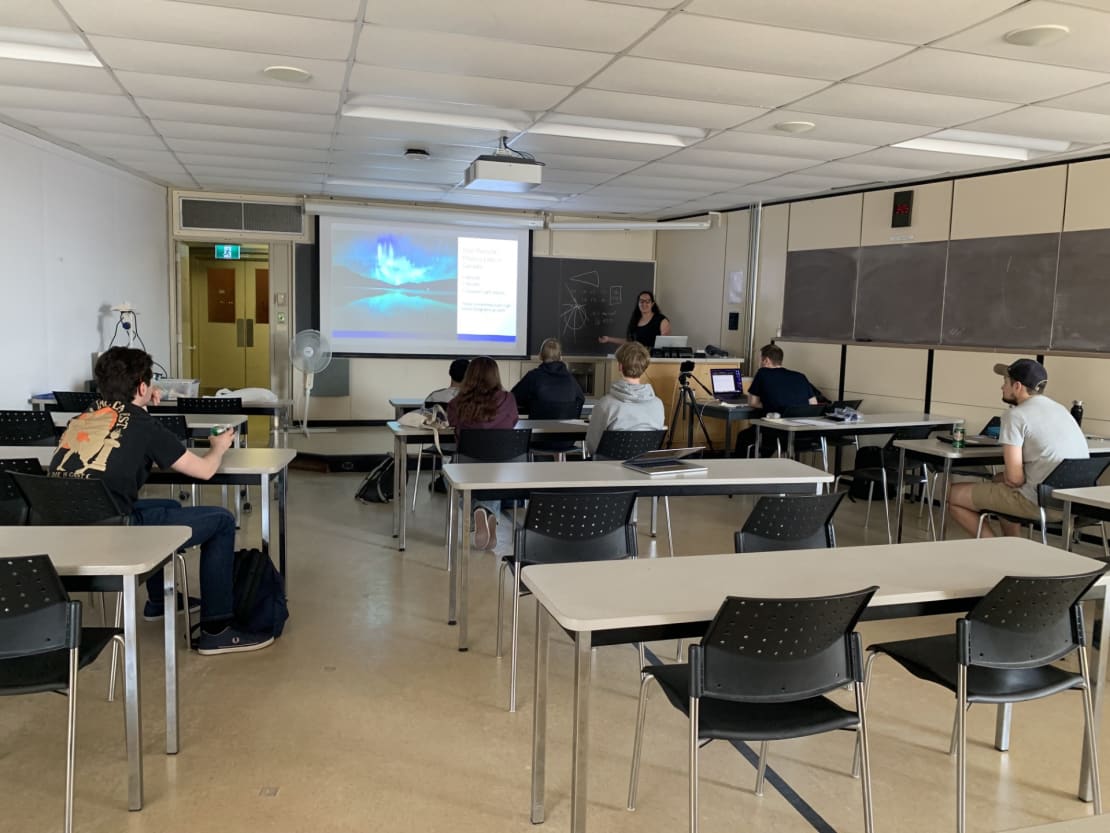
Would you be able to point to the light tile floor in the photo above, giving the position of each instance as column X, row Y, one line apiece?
column 364, row 717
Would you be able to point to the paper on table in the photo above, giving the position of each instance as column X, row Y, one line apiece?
column 818, row 422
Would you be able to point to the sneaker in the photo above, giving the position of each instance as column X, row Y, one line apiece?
column 231, row 641
column 155, row 610
column 491, row 524
column 481, row 529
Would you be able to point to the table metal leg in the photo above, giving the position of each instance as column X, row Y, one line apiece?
column 943, row 530
column 1069, row 526
column 169, row 600
column 462, row 567
column 728, row 436
column 580, row 739
column 539, row 715
column 758, row 440
column 398, row 498
column 401, row 465
column 132, row 707
column 282, row 489
column 1098, row 683
column 264, row 483
column 898, row 506
column 452, row 552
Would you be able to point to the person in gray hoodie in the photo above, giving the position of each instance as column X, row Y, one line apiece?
column 629, row 405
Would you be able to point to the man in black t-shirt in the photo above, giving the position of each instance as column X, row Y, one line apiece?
column 117, row 441
column 774, row 389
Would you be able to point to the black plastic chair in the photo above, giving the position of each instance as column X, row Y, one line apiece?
column 42, row 643
column 13, row 506
column 27, row 428
column 560, row 528
column 209, row 404
column 68, row 501
column 1068, row 474
column 794, row 522
column 541, row 409
column 1003, row 652
column 177, row 425
column 492, row 445
column 622, row 445
column 760, row 674
column 74, row 400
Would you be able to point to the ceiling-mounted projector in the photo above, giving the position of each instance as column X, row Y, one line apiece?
column 506, row 170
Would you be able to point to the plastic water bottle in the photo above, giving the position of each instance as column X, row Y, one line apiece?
column 1077, row 411
column 958, row 434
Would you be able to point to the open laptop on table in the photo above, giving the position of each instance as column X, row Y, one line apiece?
column 670, row 342
column 727, row 384
column 666, row 461
column 988, row 436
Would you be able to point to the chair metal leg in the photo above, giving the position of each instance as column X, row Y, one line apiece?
column 667, row 514
column 654, row 516
column 761, row 771
column 886, row 507
column 188, row 635
column 979, row 528
column 694, row 703
column 865, row 755
column 1089, row 723
column 416, row 480
column 858, row 754
column 870, row 495
column 1105, row 544
column 500, row 604
column 513, row 644
column 116, row 649
column 961, row 751
column 71, row 735
column 638, row 741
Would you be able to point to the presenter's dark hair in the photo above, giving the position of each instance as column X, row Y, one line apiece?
column 480, row 391
column 119, row 371
column 634, row 319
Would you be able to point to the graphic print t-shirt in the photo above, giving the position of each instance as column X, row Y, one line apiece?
column 118, row 443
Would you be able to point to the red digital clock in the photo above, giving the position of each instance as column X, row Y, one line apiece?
column 902, row 211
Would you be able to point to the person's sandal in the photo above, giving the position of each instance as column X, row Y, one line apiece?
column 491, row 524
column 481, row 529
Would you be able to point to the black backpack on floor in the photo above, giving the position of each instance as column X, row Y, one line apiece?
column 377, row 486
column 259, row 593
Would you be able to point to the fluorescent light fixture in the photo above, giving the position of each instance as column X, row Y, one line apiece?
column 993, row 145
column 614, row 130
column 47, row 47
column 635, row 225
column 447, row 115
column 431, row 214
column 385, row 183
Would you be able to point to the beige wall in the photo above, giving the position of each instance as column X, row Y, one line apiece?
column 1003, row 205
column 932, row 215
column 736, row 282
column 688, row 270
column 831, row 223
column 774, row 225
column 1087, row 206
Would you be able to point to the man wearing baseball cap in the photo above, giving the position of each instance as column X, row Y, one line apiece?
column 1035, row 435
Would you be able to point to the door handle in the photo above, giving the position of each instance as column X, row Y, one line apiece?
column 240, row 332
column 250, row 333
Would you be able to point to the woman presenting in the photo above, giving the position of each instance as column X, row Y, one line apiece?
column 646, row 322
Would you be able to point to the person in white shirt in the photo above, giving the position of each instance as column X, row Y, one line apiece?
column 442, row 396
column 1035, row 435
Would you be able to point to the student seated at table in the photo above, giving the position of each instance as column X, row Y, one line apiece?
column 1035, row 435
column 482, row 403
column 774, row 389
column 118, row 442
column 549, row 391
column 630, row 405
column 442, row 396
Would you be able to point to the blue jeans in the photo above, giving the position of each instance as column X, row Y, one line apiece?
column 214, row 530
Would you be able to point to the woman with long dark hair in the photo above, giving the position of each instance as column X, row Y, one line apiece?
column 646, row 322
column 482, row 403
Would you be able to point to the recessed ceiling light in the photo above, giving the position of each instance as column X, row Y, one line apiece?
column 795, row 126
column 280, row 73
column 1037, row 35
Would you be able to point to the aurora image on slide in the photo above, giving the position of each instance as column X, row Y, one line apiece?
column 392, row 281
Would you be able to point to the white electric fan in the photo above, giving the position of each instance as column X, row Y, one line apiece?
column 310, row 353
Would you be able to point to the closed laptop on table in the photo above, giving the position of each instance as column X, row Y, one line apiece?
column 666, row 461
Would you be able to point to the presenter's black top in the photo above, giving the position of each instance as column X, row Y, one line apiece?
column 779, row 388
column 646, row 333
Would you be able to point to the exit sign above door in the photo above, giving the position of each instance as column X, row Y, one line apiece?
column 227, row 252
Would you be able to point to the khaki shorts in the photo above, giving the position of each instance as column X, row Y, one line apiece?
column 998, row 497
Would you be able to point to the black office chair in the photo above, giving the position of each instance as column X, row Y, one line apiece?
column 1004, row 651
column 220, row 405
column 13, row 506
column 27, row 428
column 1068, row 474
column 554, row 410
column 42, row 643
column 559, row 528
column 760, row 674
column 74, row 400
column 623, row 445
column 794, row 522
column 493, row 445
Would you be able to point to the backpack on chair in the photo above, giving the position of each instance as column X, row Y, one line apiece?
column 377, row 486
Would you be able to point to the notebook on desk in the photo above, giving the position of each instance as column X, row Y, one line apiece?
column 727, row 384
column 971, row 440
column 666, row 461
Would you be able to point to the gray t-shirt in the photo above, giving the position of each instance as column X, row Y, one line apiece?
column 1047, row 434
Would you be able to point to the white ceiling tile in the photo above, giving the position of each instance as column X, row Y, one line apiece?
column 136, row 155
column 784, row 144
column 219, row 64
column 327, row 9
column 979, row 76
column 707, row 154
column 206, row 91
column 1049, row 123
column 599, row 163
column 189, row 23
column 879, row 19
column 834, row 128
column 647, row 4
column 1095, row 100
column 250, row 163
column 725, row 43
column 80, row 121
column 56, row 76
column 538, row 145
column 430, row 86
column 702, row 174
column 458, row 54
column 375, row 193
column 645, row 108
column 924, row 160
column 355, row 133
column 211, row 173
column 391, row 167
column 231, row 148
column 394, row 150
column 263, row 187
column 881, row 104
column 108, row 105
column 34, row 14
column 727, row 86
column 1084, row 47
column 489, row 199
column 863, row 172
column 574, row 24
column 235, row 116
column 576, row 180
column 440, row 176
column 253, row 135
column 663, row 185
column 105, row 139
column 817, row 183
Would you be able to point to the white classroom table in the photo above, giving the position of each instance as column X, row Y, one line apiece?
column 1097, row 497
column 118, row 558
column 881, row 423
column 239, row 466
column 600, row 603
column 467, row 481
column 933, row 449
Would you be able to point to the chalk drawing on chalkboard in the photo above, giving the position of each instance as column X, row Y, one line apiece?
column 616, row 294
column 591, row 278
column 574, row 314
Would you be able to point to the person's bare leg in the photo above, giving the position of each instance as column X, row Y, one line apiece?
column 1010, row 528
column 962, row 510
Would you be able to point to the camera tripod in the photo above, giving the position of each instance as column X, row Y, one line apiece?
column 686, row 403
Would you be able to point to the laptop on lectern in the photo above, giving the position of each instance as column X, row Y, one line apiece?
column 670, row 342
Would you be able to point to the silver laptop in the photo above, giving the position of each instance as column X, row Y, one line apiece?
column 665, row 342
column 666, row 461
